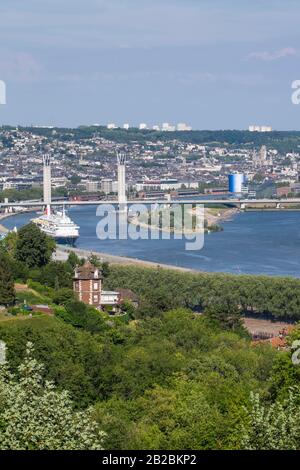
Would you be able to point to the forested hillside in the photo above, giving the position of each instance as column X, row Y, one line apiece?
column 179, row 371
column 281, row 140
column 174, row 382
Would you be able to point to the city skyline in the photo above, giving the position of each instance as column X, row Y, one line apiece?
column 214, row 65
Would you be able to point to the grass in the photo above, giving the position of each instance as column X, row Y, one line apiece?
column 31, row 296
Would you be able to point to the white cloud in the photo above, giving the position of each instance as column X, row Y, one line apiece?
column 19, row 66
column 276, row 55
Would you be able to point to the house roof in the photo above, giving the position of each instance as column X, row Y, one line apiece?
column 278, row 342
column 127, row 294
column 87, row 271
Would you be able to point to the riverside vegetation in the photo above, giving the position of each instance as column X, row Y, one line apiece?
column 177, row 372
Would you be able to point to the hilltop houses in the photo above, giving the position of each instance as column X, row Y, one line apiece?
column 88, row 288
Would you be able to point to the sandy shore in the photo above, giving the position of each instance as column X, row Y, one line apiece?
column 2, row 228
column 62, row 252
column 214, row 216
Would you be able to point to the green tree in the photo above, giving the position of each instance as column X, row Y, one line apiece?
column 105, row 269
column 57, row 275
column 63, row 296
column 74, row 260
column 225, row 311
column 19, row 270
column 75, row 179
column 7, row 290
column 82, row 316
column 72, row 357
column 35, row 416
column 273, row 426
column 34, row 247
column 94, row 260
column 10, row 242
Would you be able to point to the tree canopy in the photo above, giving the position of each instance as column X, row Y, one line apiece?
column 33, row 247
column 7, row 289
column 35, row 416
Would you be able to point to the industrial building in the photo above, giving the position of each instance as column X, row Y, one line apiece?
column 236, row 182
column 260, row 128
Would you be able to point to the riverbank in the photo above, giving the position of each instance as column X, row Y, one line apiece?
column 215, row 216
column 11, row 214
column 2, row 217
column 62, row 252
column 253, row 242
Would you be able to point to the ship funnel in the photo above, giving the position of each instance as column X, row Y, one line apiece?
column 48, row 209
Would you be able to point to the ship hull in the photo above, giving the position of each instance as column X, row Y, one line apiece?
column 59, row 227
column 66, row 240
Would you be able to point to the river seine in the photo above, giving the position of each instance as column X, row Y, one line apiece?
column 251, row 243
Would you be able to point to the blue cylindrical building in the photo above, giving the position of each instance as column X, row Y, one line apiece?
column 235, row 182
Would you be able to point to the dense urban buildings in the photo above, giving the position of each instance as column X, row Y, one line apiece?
column 84, row 161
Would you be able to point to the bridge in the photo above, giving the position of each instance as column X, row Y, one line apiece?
column 241, row 203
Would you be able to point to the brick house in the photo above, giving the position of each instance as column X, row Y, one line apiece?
column 87, row 284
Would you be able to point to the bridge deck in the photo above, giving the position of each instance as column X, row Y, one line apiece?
column 237, row 202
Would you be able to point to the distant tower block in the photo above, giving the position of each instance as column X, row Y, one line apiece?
column 47, row 182
column 263, row 155
column 121, row 182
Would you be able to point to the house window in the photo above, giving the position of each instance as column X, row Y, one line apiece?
column 96, row 298
column 95, row 285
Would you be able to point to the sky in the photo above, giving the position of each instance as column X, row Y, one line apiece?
column 214, row 64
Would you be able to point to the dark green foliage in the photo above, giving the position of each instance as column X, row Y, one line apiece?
column 19, row 270
column 285, row 141
column 163, row 376
column 161, row 383
column 75, row 179
column 33, row 247
column 161, row 289
column 82, row 316
column 284, row 375
column 224, row 311
column 23, row 195
column 72, row 358
column 7, row 290
column 63, row 296
column 74, row 260
column 57, row 275
column 128, row 307
column 180, row 384
column 93, row 259
column 105, row 269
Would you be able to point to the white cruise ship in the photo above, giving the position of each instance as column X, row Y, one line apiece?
column 58, row 226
